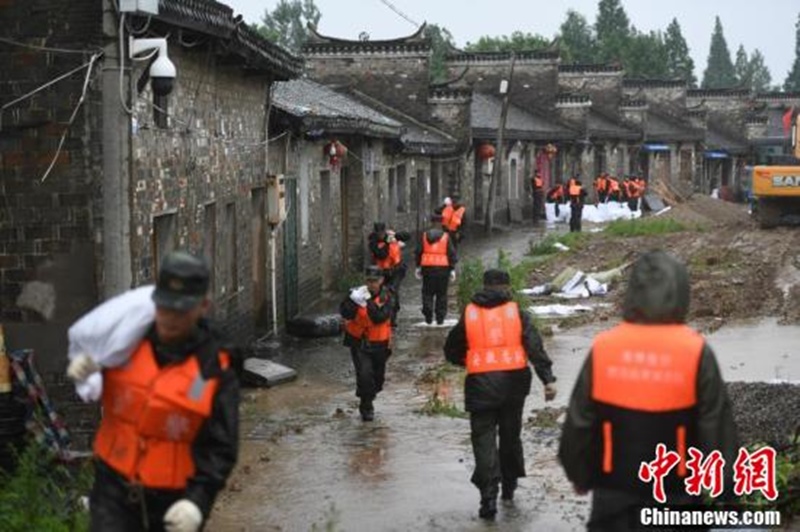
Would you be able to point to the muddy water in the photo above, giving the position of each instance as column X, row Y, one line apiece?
column 309, row 463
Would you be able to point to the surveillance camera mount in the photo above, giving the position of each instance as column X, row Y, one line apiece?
column 137, row 46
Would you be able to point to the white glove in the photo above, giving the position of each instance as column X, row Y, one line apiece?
column 81, row 367
column 183, row 516
column 360, row 296
column 418, row 273
column 549, row 392
column 452, row 275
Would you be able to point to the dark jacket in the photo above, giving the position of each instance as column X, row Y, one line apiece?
column 491, row 390
column 434, row 235
column 216, row 447
column 376, row 313
column 378, row 252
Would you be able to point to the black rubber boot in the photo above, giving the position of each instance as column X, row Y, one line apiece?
column 507, row 493
column 366, row 409
column 488, row 509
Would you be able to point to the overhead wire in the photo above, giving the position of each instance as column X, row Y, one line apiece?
column 46, row 48
column 391, row 6
column 86, row 80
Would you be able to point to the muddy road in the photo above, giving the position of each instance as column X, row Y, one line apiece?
column 308, row 462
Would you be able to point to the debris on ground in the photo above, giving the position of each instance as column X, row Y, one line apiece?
column 261, row 372
column 764, row 412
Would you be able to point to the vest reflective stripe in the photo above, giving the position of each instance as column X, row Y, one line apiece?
column 455, row 219
column 494, row 338
column 575, row 190
column 394, row 257
column 151, row 417
column 651, row 368
column 434, row 254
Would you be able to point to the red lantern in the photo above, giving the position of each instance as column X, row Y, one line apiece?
column 485, row 152
column 335, row 152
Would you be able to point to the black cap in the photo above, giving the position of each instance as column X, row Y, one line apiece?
column 183, row 281
column 495, row 277
column 379, row 227
column 373, row 272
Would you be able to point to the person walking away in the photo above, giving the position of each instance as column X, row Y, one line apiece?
column 622, row 407
column 495, row 340
column 577, row 194
column 169, row 435
column 452, row 214
column 614, row 193
column 367, row 312
column 436, row 261
column 538, row 198
column 386, row 249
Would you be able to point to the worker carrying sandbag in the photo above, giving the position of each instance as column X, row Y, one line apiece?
column 168, row 439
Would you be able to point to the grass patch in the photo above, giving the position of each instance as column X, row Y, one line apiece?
column 546, row 246
column 438, row 373
column 648, row 226
column 437, row 405
column 43, row 495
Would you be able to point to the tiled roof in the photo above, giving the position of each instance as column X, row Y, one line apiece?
column 520, row 124
column 660, row 127
column 320, row 106
column 494, row 57
column 654, row 83
column 323, row 44
column 717, row 93
column 599, row 125
column 217, row 20
column 720, row 138
column 581, row 68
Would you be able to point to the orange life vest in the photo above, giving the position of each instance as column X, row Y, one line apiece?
column 494, row 338
column 575, row 189
column 601, row 184
column 394, row 258
column 447, row 214
column 454, row 222
column 151, row 417
column 613, row 185
column 537, row 183
column 362, row 327
column 555, row 193
column 434, row 254
column 644, row 382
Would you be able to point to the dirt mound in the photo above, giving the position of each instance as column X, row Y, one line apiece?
column 709, row 212
column 766, row 413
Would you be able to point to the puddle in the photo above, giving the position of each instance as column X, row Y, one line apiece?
column 756, row 351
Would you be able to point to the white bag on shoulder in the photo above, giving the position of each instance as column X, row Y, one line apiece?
column 109, row 333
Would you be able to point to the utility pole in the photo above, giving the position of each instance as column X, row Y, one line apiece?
column 505, row 89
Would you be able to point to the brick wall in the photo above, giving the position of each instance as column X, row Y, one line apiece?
column 209, row 158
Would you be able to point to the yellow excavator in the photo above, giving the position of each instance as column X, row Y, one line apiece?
column 776, row 187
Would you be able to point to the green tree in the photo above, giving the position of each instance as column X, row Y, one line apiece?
column 679, row 62
column 613, row 31
column 576, row 40
column 742, row 68
column 286, row 24
column 646, row 56
column 518, row 41
column 719, row 72
column 441, row 41
column 760, row 78
column 792, row 83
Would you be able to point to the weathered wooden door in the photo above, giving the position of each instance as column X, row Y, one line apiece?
column 290, row 283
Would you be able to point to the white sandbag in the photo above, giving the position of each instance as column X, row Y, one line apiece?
column 111, row 331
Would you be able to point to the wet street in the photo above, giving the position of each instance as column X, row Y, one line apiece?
column 309, row 463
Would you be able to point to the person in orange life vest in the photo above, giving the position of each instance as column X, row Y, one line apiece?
column 367, row 332
column 386, row 248
column 436, row 262
column 496, row 340
column 538, row 197
column 649, row 380
column 452, row 214
column 555, row 194
column 630, row 193
column 614, row 192
column 577, row 196
column 169, row 435
column 601, row 187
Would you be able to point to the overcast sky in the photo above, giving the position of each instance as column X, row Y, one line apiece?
column 768, row 25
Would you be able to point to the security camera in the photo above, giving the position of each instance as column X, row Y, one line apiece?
column 162, row 71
